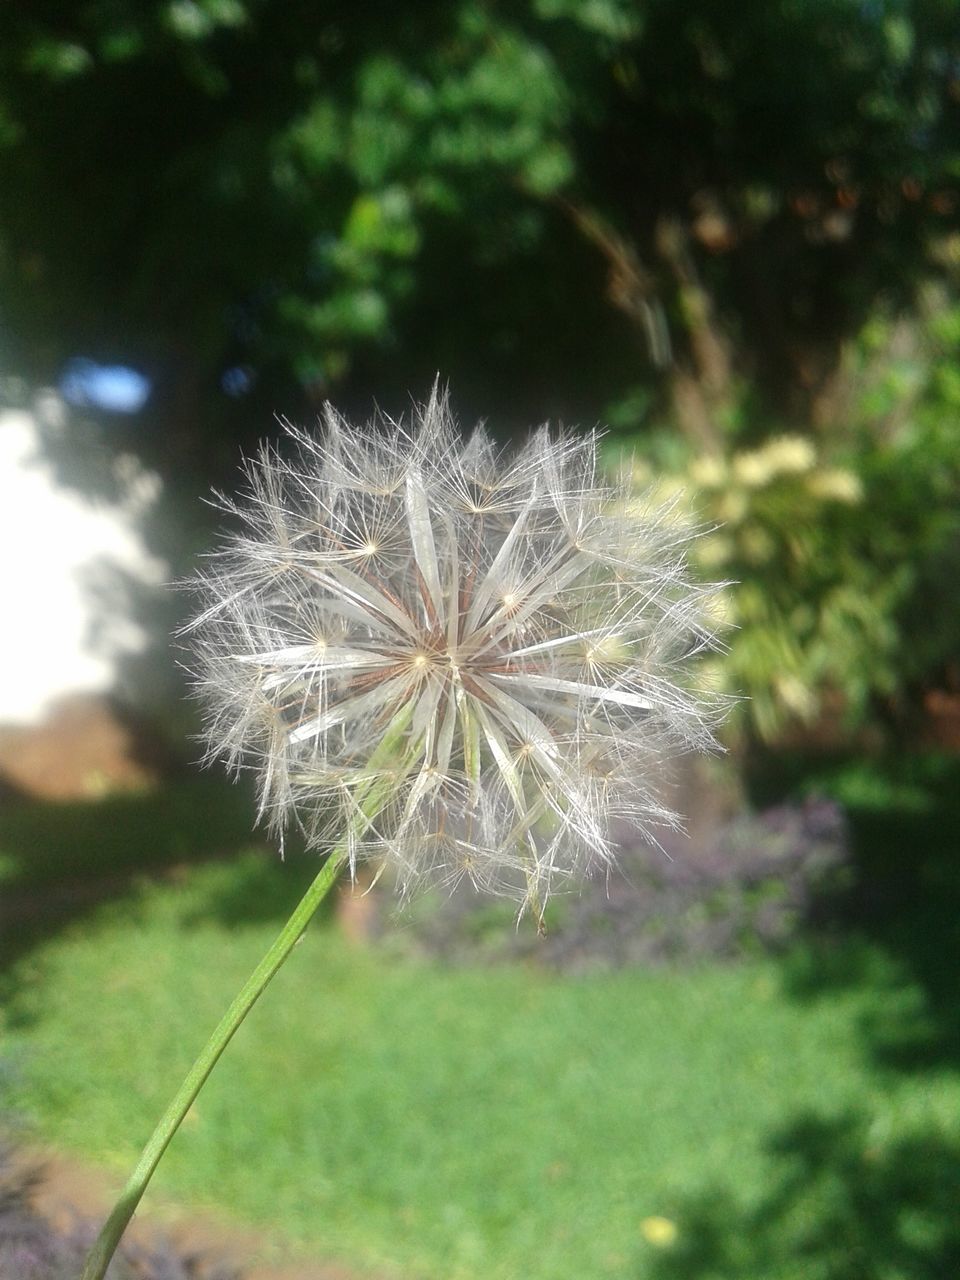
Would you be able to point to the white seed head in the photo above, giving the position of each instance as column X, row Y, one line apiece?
column 464, row 661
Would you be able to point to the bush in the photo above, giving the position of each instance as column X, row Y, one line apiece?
column 814, row 616
column 749, row 889
column 841, row 546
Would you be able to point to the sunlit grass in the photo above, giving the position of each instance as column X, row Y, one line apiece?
column 446, row 1123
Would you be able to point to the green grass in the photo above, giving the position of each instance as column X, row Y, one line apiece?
column 455, row 1124
column 44, row 844
column 502, row 1123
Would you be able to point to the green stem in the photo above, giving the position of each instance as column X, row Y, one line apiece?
column 108, row 1239
column 371, row 795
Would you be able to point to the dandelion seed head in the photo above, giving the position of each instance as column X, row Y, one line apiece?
column 463, row 660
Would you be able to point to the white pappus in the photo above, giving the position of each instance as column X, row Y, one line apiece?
column 460, row 660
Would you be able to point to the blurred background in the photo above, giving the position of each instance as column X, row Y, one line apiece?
column 731, row 236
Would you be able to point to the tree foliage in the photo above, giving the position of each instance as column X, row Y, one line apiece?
column 706, row 217
column 195, row 183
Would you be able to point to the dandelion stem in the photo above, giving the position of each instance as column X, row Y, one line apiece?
column 370, row 801
column 116, row 1224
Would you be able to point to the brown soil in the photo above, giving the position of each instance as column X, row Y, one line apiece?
column 81, row 750
column 71, row 1189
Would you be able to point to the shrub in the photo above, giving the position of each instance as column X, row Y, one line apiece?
column 749, row 888
column 842, row 545
column 814, row 616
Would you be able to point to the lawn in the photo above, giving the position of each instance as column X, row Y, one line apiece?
column 797, row 1118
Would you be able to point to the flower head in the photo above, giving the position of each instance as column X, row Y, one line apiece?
column 456, row 659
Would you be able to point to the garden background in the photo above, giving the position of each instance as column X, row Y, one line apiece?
column 730, row 235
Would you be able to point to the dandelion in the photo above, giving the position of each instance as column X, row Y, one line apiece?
column 510, row 625
column 461, row 662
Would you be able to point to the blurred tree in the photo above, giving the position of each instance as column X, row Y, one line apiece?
column 245, row 196
column 258, row 191
column 702, row 222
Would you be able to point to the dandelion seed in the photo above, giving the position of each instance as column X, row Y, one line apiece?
column 510, row 625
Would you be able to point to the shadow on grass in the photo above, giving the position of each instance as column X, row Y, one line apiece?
column 263, row 889
column 845, row 1204
column 845, row 1201
column 900, row 929
column 60, row 860
column 43, row 843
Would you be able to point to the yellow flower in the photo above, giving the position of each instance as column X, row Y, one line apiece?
column 836, row 485
column 752, row 469
column 785, row 455
column 658, row 1231
column 708, row 472
column 789, row 455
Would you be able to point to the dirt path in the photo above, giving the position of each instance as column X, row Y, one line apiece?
column 71, row 1189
